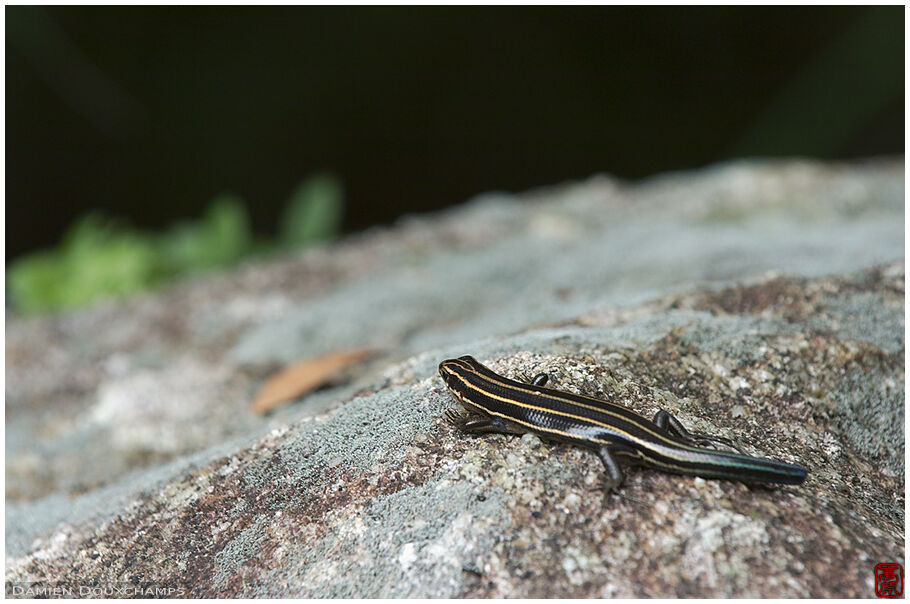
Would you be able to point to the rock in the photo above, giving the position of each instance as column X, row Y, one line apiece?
column 761, row 301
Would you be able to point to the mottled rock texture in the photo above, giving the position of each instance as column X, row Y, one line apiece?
column 761, row 301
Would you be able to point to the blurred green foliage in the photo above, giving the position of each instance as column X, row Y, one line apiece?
column 222, row 237
column 313, row 213
column 96, row 257
column 101, row 257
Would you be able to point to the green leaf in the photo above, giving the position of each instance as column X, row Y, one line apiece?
column 220, row 238
column 314, row 212
column 34, row 281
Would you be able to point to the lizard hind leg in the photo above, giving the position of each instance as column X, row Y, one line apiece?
column 672, row 426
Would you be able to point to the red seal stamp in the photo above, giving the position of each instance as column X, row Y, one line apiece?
column 889, row 580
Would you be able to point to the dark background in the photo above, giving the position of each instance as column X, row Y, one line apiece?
column 147, row 113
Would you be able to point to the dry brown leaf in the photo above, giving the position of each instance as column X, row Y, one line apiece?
column 296, row 380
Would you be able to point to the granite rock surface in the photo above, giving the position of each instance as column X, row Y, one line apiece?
column 760, row 301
